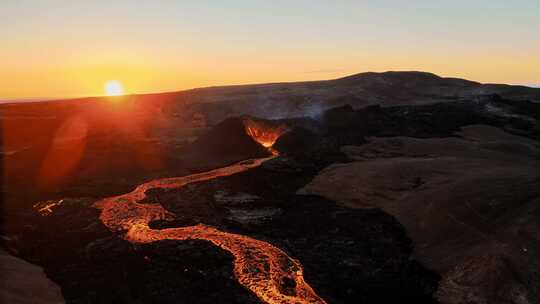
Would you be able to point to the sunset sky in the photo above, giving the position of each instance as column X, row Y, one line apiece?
column 54, row 48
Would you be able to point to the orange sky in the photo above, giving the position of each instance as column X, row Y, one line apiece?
column 67, row 48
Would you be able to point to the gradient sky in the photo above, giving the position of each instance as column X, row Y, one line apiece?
column 65, row 48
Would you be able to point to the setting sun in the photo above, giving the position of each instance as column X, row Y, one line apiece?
column 114, row 88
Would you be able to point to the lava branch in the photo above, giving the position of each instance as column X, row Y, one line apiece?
column 261, row 267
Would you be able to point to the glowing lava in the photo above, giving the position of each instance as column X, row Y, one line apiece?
column 259, row 266
column 263, row 132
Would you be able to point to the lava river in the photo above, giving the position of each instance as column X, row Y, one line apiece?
column 259, row 266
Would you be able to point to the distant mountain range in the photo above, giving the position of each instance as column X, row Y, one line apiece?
column 291, row 99
column 366, row 79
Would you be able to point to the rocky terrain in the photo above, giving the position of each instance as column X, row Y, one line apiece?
column 23, row 282
column 392, row 187
column 470, row 204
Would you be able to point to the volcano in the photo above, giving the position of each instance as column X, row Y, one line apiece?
column 398, row 187
column 225, row 144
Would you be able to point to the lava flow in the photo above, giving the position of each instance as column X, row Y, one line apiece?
column 259, row 266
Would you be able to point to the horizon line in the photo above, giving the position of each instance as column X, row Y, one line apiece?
column 76, row 97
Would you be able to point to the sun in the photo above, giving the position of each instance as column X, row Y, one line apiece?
column 114, row 88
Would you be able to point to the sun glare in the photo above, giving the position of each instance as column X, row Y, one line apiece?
column 114, row 88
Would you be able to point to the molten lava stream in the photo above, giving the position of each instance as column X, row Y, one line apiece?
column 259, row 266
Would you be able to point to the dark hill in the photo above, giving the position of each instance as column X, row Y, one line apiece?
column 224, row 144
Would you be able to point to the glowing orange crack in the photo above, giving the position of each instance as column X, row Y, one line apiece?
column 259, row 266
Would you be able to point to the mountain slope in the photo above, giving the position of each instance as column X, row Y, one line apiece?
column 278, row 100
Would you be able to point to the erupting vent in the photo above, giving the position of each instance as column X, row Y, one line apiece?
column 264, row 132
